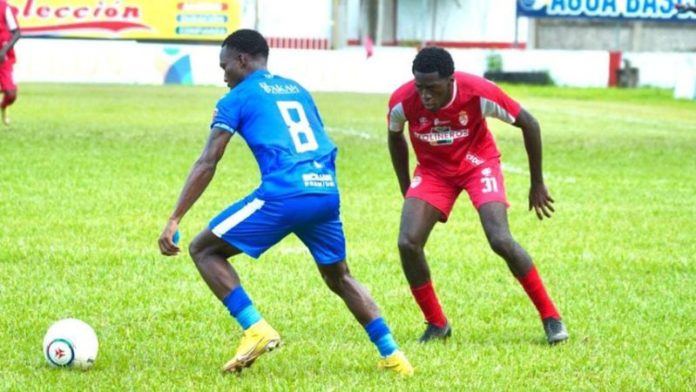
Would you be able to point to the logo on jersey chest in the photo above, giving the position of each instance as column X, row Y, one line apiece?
column 442, row 132
column 463, row 118
column 441, row 135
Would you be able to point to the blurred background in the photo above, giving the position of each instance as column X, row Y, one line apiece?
column 362, row 45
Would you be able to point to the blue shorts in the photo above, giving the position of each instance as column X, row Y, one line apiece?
column 253, row 225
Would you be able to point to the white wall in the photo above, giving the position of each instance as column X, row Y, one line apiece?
column 455, row 21
column 662, row 69
column 296, row 18
column 320, row 70
column 459, row 21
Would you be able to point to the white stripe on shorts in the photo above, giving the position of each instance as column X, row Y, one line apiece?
column 234, row 219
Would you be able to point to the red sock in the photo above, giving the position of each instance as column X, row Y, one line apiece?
column 430, row 306
column 537, row 293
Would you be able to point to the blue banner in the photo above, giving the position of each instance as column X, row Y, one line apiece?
column 655, row 10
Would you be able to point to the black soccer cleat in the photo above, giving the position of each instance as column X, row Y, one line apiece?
column 433, row 332
column 555, row 330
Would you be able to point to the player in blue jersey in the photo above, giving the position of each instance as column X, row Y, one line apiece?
column 298, row 194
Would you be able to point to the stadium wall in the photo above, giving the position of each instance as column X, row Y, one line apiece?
column 633, row 36
column 128, row 62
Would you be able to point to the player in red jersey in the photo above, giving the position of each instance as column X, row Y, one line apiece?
column 446, row 113
column 9, row 34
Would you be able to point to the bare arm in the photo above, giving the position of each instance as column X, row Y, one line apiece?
column 6, row 48
column 398, row 150
column 198, row 179
column 539, row 197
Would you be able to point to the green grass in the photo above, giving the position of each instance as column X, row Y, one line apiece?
column 89, row 174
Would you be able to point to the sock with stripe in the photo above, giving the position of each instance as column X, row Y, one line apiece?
column 381, row 336
column 240, row 307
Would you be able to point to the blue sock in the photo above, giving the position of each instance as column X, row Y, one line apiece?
column 240, row 307
column 381, row 336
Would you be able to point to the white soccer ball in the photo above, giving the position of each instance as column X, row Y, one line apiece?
column 71, row 343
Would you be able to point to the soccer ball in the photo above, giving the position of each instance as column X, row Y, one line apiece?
column 70, row 343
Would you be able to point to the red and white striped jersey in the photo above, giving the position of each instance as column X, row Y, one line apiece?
column 456, row 138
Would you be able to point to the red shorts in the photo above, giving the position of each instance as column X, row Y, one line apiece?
column 6, row 81
column 484, row 184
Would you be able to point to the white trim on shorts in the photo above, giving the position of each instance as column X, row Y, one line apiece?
column 236, row 218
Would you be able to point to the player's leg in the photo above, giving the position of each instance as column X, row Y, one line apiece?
column 358, row 300
column 210, row 254
column 495, row 224
column 324, row 238
column 248, row 226
column 486, row 188
column 493, row 216
column 364, row 309
column 417, row 221
column 428, row 200
column 9, row 90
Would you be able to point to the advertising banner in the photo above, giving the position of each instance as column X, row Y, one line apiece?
column 163, row 20
column 655, row 10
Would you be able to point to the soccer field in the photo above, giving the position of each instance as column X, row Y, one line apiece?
column 89, row 175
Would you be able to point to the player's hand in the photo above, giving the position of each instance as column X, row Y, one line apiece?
column 166, row 242
column 541, row 201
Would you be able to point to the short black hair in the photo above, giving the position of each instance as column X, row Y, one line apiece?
column 433, row 59
column 247, row 41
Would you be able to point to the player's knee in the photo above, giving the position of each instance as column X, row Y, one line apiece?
column 408, row 245
column 196, row 249
column 501, row 244
column 336, row 282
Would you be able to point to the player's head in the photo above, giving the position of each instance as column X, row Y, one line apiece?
column 242, row 53
column 433, row 69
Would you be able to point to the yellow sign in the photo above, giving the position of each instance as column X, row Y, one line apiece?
column 191, row 20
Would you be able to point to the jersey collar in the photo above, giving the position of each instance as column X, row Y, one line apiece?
column 258, row 74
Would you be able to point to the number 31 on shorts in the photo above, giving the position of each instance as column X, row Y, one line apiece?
column 489, row 184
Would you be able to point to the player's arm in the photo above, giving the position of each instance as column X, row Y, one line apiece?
column 539, row 197
column 11, row 23
column 398, row 150
column 198, row 179
column 6, row 48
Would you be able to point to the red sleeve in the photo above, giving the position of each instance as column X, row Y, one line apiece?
column 496, row 103
column 396, row 118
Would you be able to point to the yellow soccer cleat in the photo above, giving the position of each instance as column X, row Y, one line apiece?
column 397, row 362
column 257, row 340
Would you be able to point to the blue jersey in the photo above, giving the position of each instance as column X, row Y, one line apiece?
column 280, row 122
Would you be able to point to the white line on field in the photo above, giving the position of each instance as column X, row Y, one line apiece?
column 351, row 132
column 507, row 168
